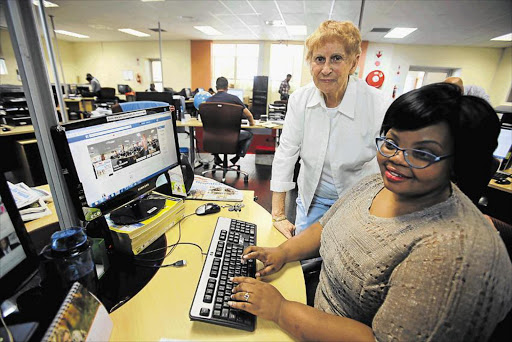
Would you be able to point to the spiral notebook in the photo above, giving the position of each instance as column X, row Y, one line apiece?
column 81, row 317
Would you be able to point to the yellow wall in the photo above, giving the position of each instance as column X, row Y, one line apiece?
column 502, row 81
column 108, row 60
column 66, row 52
column 10, row 60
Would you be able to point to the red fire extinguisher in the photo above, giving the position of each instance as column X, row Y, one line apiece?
column 394, row 92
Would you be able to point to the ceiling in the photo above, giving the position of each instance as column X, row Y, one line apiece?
column 450, row 22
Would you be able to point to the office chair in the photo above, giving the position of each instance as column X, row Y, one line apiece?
column 106, row 97
column 221, row 126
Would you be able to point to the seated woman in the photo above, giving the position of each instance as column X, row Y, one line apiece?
column 407, row 255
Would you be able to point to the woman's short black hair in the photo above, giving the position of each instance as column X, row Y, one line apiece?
column 473, row 124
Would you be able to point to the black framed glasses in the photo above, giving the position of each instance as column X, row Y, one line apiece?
column 417, row 159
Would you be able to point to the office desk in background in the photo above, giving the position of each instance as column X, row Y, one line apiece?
column 161, row 308
column 194, row 123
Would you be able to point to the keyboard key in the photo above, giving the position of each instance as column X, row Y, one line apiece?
column 204, row 312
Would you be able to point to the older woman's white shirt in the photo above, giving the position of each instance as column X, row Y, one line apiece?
column 306, row 134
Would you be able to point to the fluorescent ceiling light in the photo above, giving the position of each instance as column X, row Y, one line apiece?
column 296, row 30
column 208, row 30
column 505, row 38
column 72, row 34
column 275, row 22
column 134, row 32
column 400, row 32
column 46, row 3
column 151, row 0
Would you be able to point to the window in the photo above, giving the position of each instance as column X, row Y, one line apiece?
column 285, row 59
column 237, row 62
column 420, row 76
column 156, row 74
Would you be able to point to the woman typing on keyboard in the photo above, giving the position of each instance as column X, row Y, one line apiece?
column 406, row 254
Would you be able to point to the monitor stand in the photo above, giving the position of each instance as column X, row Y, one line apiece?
column 137, row 211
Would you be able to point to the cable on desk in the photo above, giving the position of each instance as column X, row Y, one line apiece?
column 9, row 334
column 178, row 263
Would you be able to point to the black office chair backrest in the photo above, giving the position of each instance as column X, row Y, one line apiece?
column 221, row 126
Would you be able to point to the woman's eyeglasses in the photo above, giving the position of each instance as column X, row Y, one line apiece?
column 417, row 159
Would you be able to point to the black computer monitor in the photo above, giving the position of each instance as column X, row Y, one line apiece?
column 114, row 160
column 123, row 88
column 82, row 89
column 187, row 92
column 18, row 258
column 162, row 96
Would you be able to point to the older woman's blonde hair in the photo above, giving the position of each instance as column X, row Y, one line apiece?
column 331, row 30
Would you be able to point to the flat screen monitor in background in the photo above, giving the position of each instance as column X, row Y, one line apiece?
column 115, row 160
column 238, row 93
column 18, row 259
column 504, row 143
column 123, row 88
column 163, row 96
column 82, row 89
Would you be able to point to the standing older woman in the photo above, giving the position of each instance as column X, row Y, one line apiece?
column 331, row 125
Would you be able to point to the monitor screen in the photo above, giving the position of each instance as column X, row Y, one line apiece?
column 504, row 143
column 123, row 88
column 17, row 255
column 114, row 159
column 81, row 89
column 238, row 93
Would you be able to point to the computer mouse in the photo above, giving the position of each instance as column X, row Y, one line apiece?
column 208, row 208
column 503, row 181
column 5, row 129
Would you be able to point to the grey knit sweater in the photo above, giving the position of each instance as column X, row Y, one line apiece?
column 440, row 274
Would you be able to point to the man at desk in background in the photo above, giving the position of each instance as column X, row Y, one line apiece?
column 284, row 88
column 245, row 139
column 95, row 84
column 472, row 90
column 151, row 87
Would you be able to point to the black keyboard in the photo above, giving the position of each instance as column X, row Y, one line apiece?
column 223, row 261
column 500, row 175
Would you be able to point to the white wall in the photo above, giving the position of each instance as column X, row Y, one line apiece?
column 477, row 65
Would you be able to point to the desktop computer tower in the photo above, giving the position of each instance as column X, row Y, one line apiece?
column 259, row 96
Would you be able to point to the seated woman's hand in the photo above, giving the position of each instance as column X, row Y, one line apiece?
column 286, row 228
column 256, row 297
column 273, row 258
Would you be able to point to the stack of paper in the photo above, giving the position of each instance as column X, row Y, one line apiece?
column 134, row 238
column 208, row 189
column 31, row 202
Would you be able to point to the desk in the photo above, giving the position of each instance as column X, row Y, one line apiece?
column 502, row 187
column 45, row 220
column 160, row 309
column 194, row 122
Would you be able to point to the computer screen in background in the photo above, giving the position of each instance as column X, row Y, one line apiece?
column 238, row 93
column 18, row 258
column 115, row 159
column 123, row 88
column 504, row 143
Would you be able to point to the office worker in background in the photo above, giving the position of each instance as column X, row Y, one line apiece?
column 151, row 87
column 330, row 124
column 245, row 139
column 406, row 255
column 473, row 90
column 95, row 84
column 284, row 88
